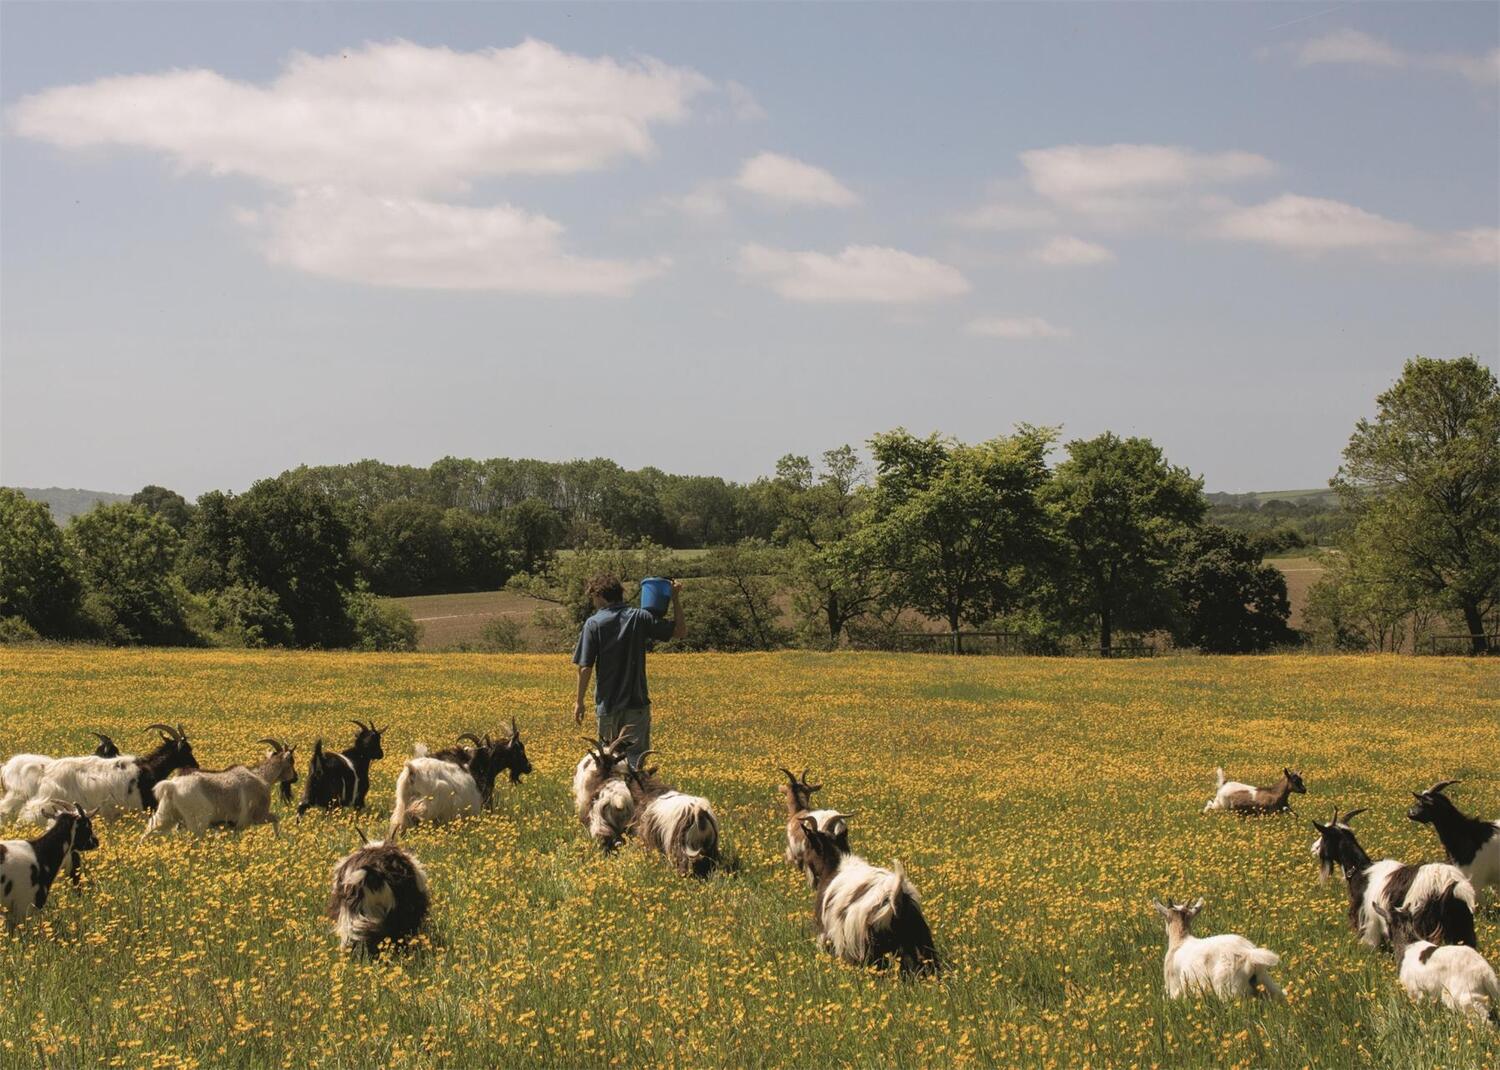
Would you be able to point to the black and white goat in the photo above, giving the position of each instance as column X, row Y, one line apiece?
column 1472, row 845
column 21, row 773
column 797, row 794
column 342, row 778
column 1438, row 895
column 439, row 787
column 865, row 914
column 1247, row 799
column 110, row 785
column 602, row 797
column 28, row 867
column 1457, row 975
column 237, row 797
column 681, row 827
column 379, row 894
column 1227, row 966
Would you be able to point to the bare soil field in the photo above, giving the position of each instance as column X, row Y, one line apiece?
column 1301, row 573
column 448, row 620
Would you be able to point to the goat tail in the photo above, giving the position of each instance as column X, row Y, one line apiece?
column 1219, row 777
column 419, row 750
column 1262, row 958
column 403, row 802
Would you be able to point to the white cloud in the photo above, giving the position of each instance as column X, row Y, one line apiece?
column 704, row 203
column 859, row 273
column 393, row 118
column 1347, row 46
column 1024, row 327
column 742, row 103
column 1126, row 180
column 1069, row 251
column 1478, row 246
column 789, row 181
column 415, row 243
column 1000, row 215
column 1317, row 225
column 1481, row 70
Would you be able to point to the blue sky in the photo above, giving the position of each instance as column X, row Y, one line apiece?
column 236, row 238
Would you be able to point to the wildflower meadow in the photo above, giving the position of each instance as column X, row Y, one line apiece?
column 1038, row 805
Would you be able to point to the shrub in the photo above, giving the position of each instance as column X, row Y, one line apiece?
column 502, row 635
column 380, row 624
column 16, row 630
column 251, row 616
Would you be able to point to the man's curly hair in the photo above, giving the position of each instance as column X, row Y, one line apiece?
column 607, row 586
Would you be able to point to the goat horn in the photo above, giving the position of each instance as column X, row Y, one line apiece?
column 363, row 839
column 1441, row 784
column 642, row 759
column 274, row 744
column 360, row 725
column 101, row 737
column 182, row 731
column 167, row 730
column 470, row 735
column 1350, row 815
column 789, row 775
column 514, row 731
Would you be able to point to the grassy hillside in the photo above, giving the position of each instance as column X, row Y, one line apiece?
column 1038, row 804
column 67, row 502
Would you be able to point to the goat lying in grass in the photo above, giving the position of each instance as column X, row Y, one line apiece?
column 1453, row 973
column 681, row 827
column 1438, row 896
column 797, row 794
column 601, row 796
column 1473, row 845
column 1246, row 799
column 1226, row 966
column 379, row 893
column 865, row 914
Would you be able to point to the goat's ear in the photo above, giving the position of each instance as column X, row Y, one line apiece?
column 809, row 824
column 1192, row 908
column 1380, row 910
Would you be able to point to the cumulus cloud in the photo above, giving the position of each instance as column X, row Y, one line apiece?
column 742, row 103
column 860, row 273
column 1003, row 215
column 393, row 118
column 421, row 244
column 786, row 180
column 1356, row 48
column 1018, row 328
column 1318, row 225
column 1069, row 251
column 1125, row 180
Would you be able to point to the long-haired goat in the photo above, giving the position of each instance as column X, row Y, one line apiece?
column 1246, row 799
column 342, row 778
column 1472, row 845
column 238, row 797
column 379, row 894
column 449, row 783
column 111, row 785
column 1453, row 973
column 681, row 827
column 865, row 914
column 797, row 794
column 21, row 774
column 487, row 758
column 601, row 796
column 1437, row 894
column 1227, row 966
column 28, row 867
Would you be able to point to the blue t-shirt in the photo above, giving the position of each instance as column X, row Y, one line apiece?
column 613, row 641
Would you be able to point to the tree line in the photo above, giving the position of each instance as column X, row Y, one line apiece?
column 1110, row 541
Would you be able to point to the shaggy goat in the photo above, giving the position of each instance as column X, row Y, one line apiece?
column 601, row 795
column 342, row 778
column 21, row 773
column 681, row 827
column 439, row 787
column 865, row 914
column 1245, row 799
column 112, row 785
column 1439, row 897
column 238, row 797
column 488, row 757
column 797, row 794
column 28, row 867
column 1472, row 845
column 379, row 894
column 1457, row 975
column 1226, row 966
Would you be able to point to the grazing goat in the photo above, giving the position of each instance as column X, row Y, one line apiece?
column 28, row 867
column 601, row 795
column 865, row 914
column 1457, row 975
column 342, row 778
column 111, row 785
column 21, row 773
column 238, row 797
column 1245, row 799
column 797, row 793
column 1438, row 896
column 439, row 787
column 1472, row 845
column 1227, row 966
column 379, row 894
column 681, row 827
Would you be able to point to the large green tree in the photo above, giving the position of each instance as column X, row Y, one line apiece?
column 1120, row 511
column 38, row 574
column 1228, row 600
column 167, row 504
column 959, row 526
column 127, row 557
column 1422, row 480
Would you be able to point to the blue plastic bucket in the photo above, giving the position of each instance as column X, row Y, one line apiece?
column 656, row 595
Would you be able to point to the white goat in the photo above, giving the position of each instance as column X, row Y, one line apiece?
column 602, row 798
column 1226, row 966
column 110, row 785
column 238, row 796
column 1454, row 973
column 433, row 790
column 21, row 774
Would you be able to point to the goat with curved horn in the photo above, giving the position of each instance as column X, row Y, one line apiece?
column 166, row 730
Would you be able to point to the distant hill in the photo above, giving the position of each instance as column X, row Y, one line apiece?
column 68, row 502
column 1317, row 495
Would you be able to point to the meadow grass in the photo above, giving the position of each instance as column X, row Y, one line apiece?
column 1037, row 804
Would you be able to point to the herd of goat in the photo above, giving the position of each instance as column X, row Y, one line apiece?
column 863, row 914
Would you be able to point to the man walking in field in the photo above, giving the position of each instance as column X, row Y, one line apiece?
column 613, row 643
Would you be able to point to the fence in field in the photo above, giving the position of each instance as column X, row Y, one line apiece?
column 1463, row 642
column 982, row 642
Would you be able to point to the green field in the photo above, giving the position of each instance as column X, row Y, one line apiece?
column 1038, row 804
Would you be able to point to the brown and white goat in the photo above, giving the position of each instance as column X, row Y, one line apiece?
column 601, row 796
column 797, row 794
column 379, row 893
column 238, row 797
column 681, row 827
column 1247, row 799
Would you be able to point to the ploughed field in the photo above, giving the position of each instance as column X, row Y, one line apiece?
column 1037, row 804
